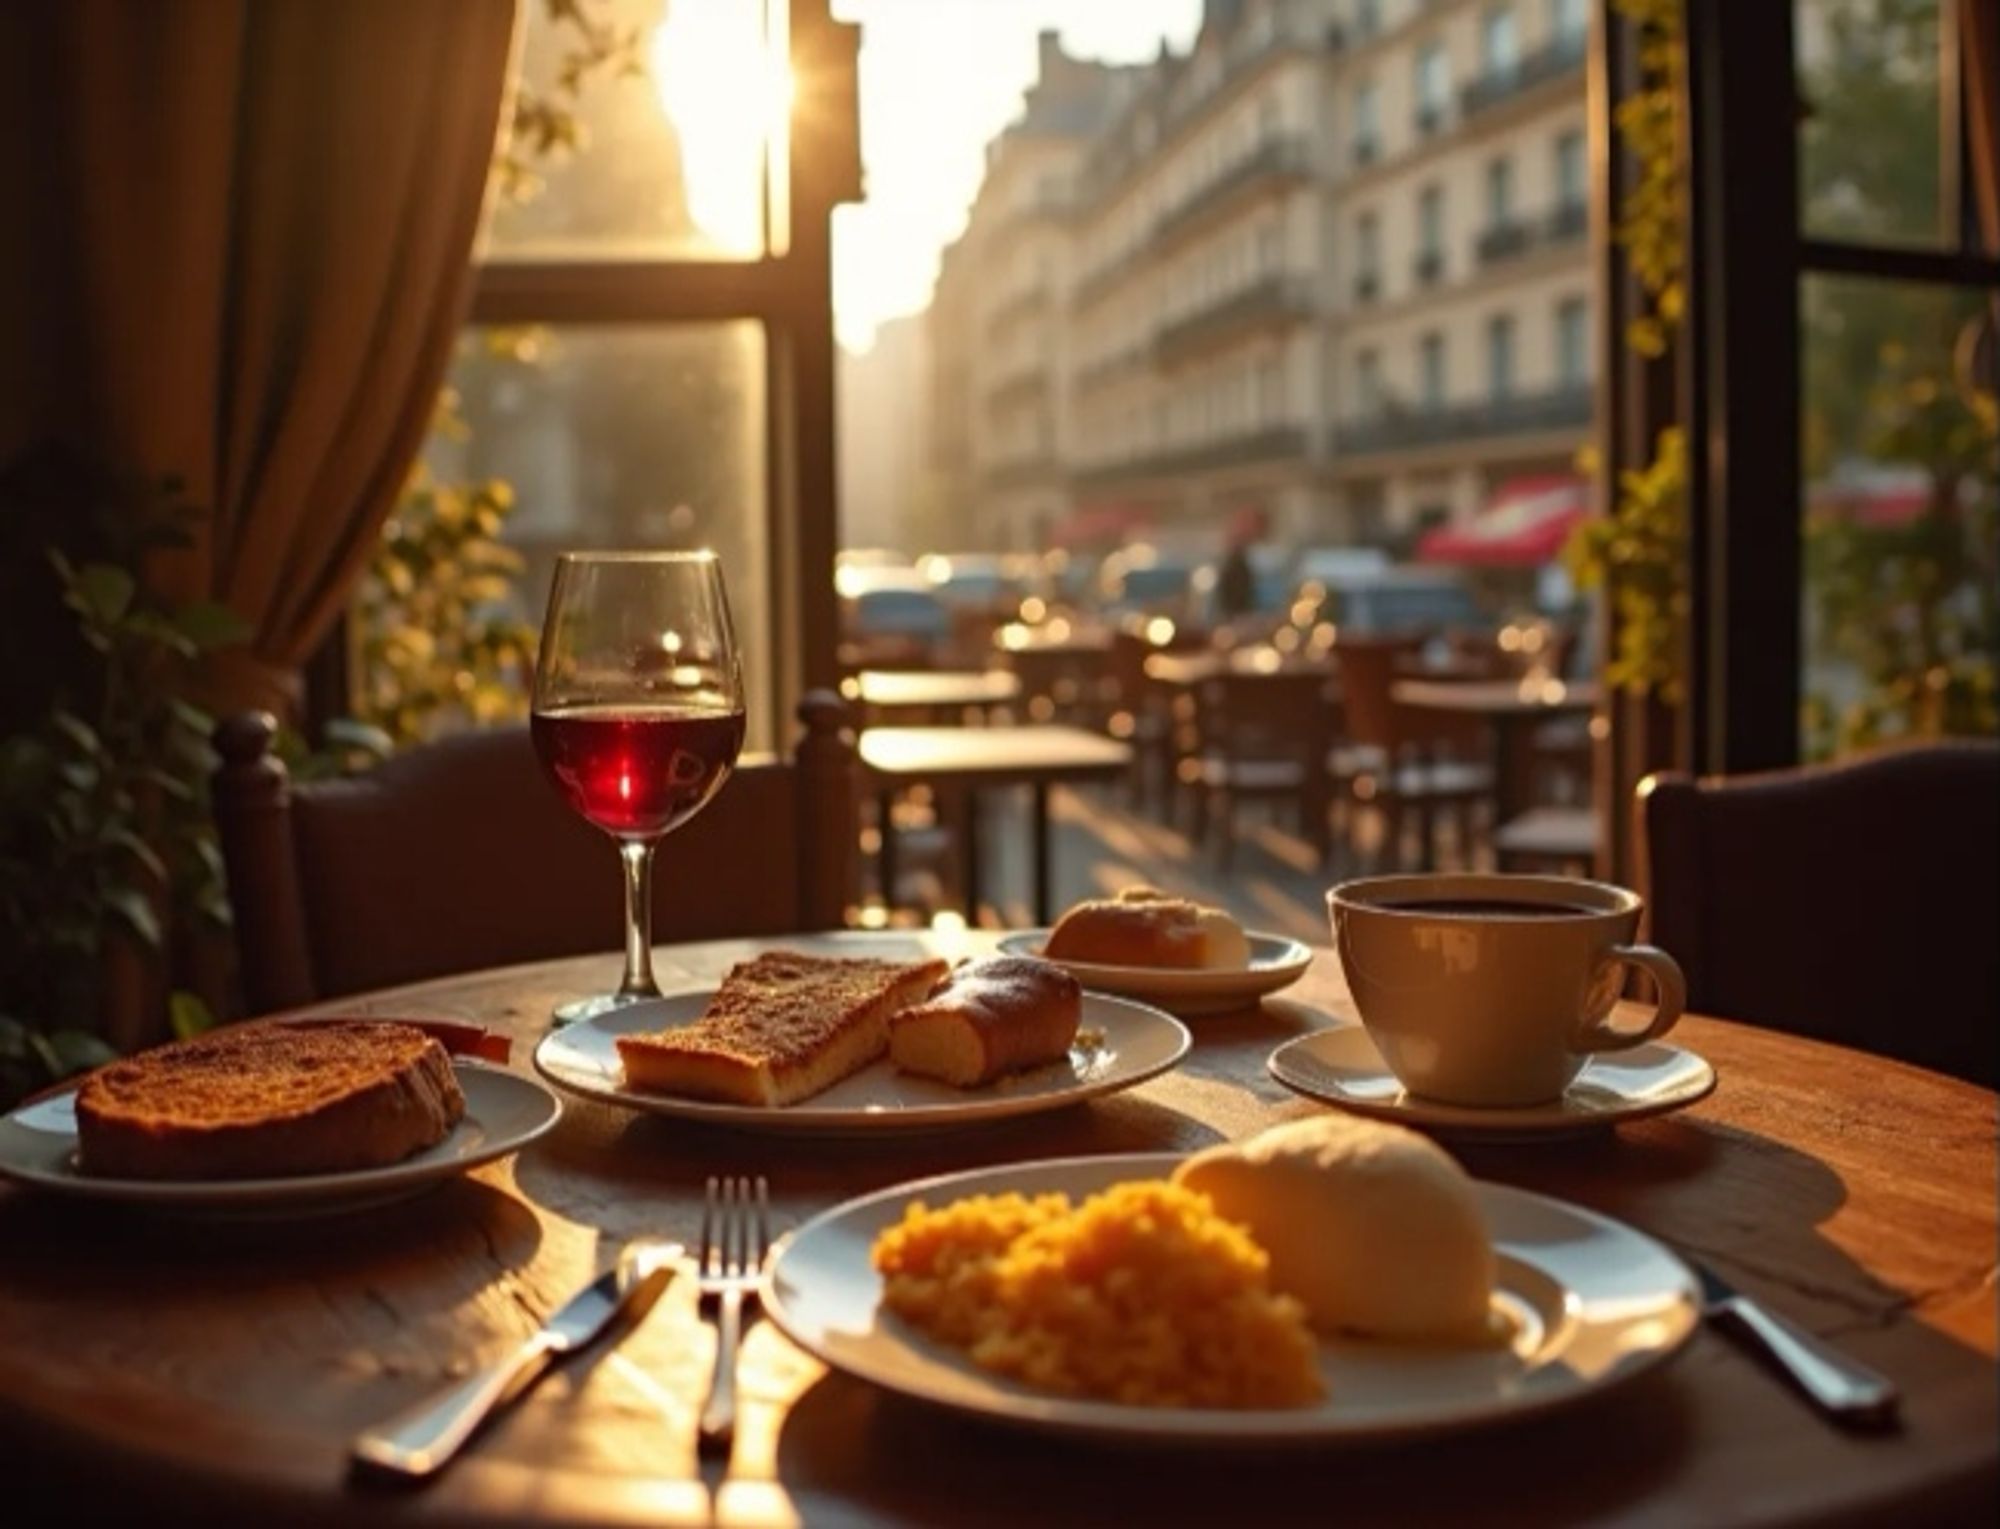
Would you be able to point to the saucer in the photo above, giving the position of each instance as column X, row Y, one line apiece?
column 1340, row 1066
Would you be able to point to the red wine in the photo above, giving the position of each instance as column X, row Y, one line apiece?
column 638, row 772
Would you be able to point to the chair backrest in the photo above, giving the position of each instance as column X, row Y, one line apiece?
column 1248, row 715
column 1368, row 667
column 458, row 854
column 1856, row 902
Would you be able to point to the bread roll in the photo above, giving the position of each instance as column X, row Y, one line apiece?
column 993, row 1016
column 1373, row 1227
column 1145, row 927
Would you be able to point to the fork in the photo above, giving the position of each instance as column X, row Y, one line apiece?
column 728, row 1273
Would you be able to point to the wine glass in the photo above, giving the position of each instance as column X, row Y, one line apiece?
column 638, row 714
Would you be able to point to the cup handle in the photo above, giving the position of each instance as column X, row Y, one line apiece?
column 1603, row 1035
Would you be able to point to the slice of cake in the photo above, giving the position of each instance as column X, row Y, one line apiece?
column 780, row 1029
column 998, row 1015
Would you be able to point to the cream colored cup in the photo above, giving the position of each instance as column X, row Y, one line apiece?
column 1495, row 1009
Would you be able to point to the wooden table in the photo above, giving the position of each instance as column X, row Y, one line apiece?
column 153, row 1364
column 1505, row 706
column 928, row 691
column 972, row 760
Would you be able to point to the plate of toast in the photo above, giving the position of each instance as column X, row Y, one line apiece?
column 275, row 1118
column 1178, row 953
column 805, row 1043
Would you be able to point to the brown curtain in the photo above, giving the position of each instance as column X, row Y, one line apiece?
column 1979, row 44
column 236, row 249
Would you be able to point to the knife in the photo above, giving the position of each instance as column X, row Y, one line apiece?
column 418, row 1442
column 1844, row 1389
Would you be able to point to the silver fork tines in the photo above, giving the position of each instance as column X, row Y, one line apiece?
column 734, row 1211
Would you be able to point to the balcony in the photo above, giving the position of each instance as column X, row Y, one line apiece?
column 1274, row 163
column 1018, row 384
column 1365, row 151
column 1285, row 443
column 1501, row 242
column 1428, row 269
column 1367, row 287
column 1015, row 308
column 1113, row 368
column 1273, row 301
column 1552, row 61
column 1521, row 414
column 1429, row 121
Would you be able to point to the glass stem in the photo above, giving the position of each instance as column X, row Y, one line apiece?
column 638, row 857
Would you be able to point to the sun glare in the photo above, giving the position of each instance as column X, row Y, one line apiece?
column 727, row 96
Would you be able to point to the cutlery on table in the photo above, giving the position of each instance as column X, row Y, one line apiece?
column 1845, row 1389
column 418, row 1442
column 735, row 1241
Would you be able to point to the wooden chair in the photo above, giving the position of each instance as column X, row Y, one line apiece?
column 459, row 854
column 1397, row 759
column 1262, row 736
column 1855, row 902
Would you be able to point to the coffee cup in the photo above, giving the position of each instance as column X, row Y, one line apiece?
column 1491, row 990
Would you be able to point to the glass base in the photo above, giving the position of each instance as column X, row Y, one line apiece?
column 591, row 1008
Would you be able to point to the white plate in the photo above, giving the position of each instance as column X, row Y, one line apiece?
column 1137, row 1043
column 1596, row 1303
column 1275, row 962
column 503, row 1113
column 1341, row 1066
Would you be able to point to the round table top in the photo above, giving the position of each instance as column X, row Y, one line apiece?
column 1498, row 698
column 1014, row 752
column 227, row 1366
column 890, row 689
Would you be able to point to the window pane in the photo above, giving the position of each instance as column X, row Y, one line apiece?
column 632, row 436
column 640, row 133
column 1902, row 472
column 1869, row 153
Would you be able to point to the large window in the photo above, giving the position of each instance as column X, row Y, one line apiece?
column 1367, row 123
column 1499, row 192
column 1572, row 172
column 1430, row 373
column 1572, row 344
column 1499, row 48
column 1500, row 357
column 1433, row 86
column 1430, row 224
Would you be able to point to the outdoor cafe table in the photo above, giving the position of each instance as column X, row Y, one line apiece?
column 928, row 691
column 218, row 1370
column 1505, row 706
column 1039, row 756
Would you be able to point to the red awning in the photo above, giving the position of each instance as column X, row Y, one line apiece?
column 1524, row 525
column 1881, row 498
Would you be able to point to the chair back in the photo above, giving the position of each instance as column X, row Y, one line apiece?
column 1855, row 902
column 1368, row 670
column 459, row 854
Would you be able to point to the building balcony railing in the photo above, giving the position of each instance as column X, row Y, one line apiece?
column 1284, row 443
column 1501, row 242
column 1276, row 161
column 1018, row 384
column 1518, row 414
column 1113, row 368
column 1275, row 300
column 1428, row 269
column 1024, row 471
column 1429, row 121
column 1551, row 61
column 1367, row 287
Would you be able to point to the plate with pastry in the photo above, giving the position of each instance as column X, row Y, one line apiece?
column 1330, row 1280
column 1185, row 956
column 798, row 1042
column 275, row 1118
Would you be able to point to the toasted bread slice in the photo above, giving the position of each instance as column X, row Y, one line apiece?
column 269, row 1101
column 780, row 1029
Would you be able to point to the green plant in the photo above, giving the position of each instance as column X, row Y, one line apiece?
column 105, row 836
column 1637, row 552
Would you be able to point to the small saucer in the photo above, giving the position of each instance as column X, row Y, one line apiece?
column 1340, row 1066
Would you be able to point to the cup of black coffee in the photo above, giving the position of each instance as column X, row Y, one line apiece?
column 1492, row 990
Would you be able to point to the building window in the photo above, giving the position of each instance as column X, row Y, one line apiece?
column 1270, row 392
column 1569, row 21
column 1367, row 126
column 1367, row 17
column 1571, row 187
column 1430, row 372
column 1499, row 48
column 1367, row 384
column 1500, row 357
column 1270, row 119
column 1430, row 233
column 1499, row 192
column 1573, row 344
column 1269, row 248
column 1433, row 86
column 1367, row 257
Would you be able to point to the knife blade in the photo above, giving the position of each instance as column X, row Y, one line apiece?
column 420, row 1441
column 1845, row 1389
